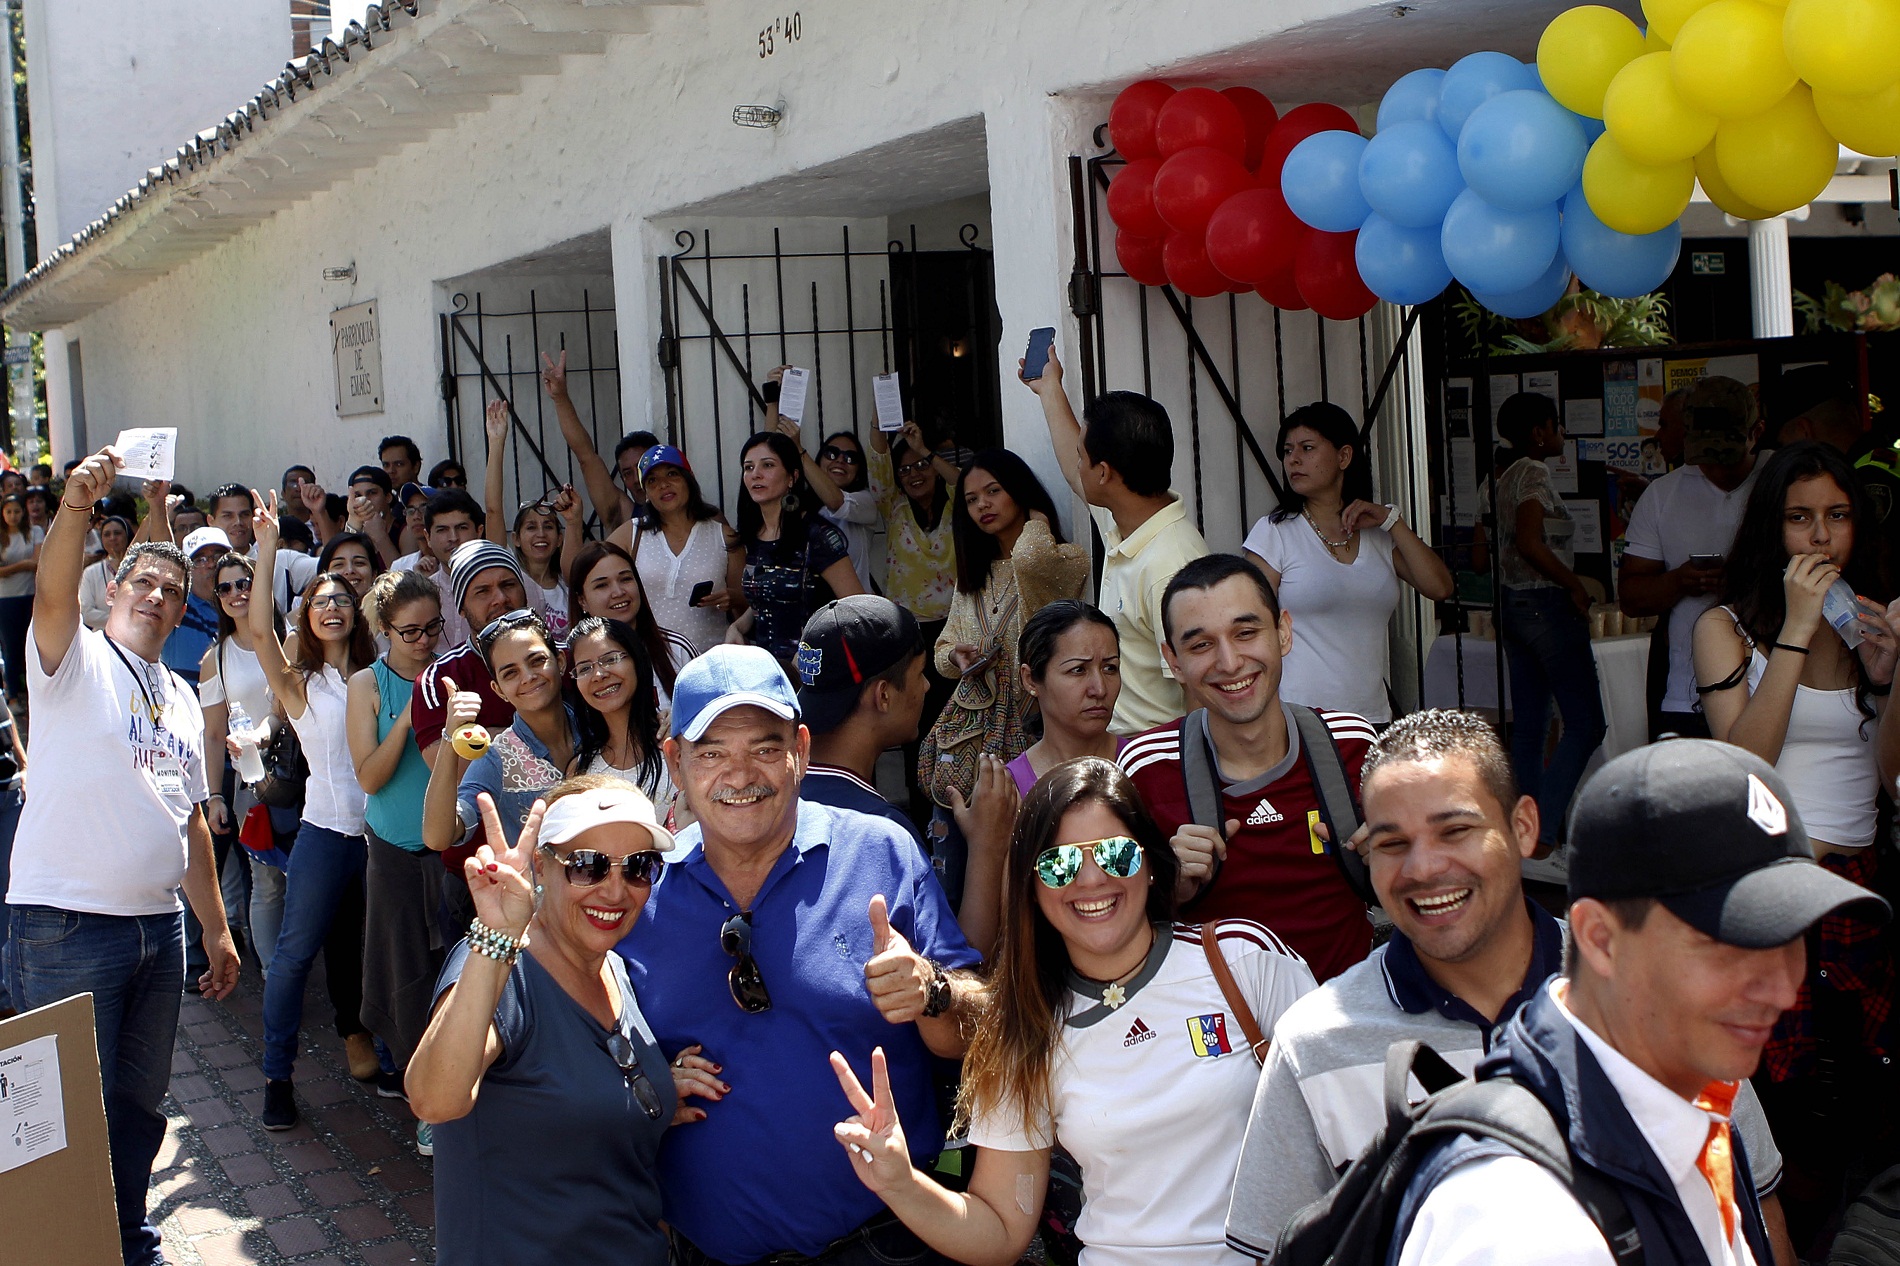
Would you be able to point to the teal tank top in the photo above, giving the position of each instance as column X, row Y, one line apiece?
column 395, row 812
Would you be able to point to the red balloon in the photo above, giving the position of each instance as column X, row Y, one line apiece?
column 1282, row 291
column 1131, row 199
column 1295, row 126
column 1184, row 256
column 1200, row 116
column 1259, row 115
column 1328, row 276
column 1141, row 258
column 1131, row 120
column 1252, row 236
column 1190, row 187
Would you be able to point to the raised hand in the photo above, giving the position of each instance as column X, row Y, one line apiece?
column 777, row 375
column 694, row 1074
column 264, row 519
column 502, row 881
column 554, row 375
column 464, row 707
column 1361, row 515
column 898, row 977
column 914, row 437
column 312, row 495
column 873, row 1136
column 92, row 479
column 567, row 504
column 988, row 818
column 495, row 420
column 1804, row 583
column 156, row 491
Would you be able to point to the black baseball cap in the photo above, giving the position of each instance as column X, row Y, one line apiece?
column 373, row 474
column 1709, row 830
column 845, row 644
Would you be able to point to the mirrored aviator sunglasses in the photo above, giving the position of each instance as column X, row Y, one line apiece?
column 1119, row 857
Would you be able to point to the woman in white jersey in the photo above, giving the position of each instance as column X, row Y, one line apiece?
column 1108, row 1031
column 1336, row 557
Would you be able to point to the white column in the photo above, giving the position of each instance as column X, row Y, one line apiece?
column 637, row 329
column 59, row 401
column 1771, row 289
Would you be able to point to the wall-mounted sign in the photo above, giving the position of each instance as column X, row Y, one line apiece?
column 1708, row 264
column 356, row 345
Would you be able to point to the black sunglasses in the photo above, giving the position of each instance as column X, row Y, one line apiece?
column 228, row 587
column 620, row 1046
column 585, row 867
column 515, row 619
column 832, row 453
column 747, row 985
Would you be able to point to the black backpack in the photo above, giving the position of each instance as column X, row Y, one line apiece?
column 1353, row 1224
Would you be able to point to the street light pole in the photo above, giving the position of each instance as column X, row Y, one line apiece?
column 25, row 431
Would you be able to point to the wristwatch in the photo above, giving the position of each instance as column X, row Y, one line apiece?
column 1391, row 517
column 937, row 1000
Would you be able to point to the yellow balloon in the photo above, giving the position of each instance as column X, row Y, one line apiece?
column 1654, row 43
column 1649, row 118
column 1667, row 16
column 1709, row 175
column 1633, row 197
column 1728, row 59
column 1867, row 125
column 1581, row 51
column 1846, row 46
column 1779, row 159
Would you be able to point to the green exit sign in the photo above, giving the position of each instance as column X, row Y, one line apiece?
column 1708, row 263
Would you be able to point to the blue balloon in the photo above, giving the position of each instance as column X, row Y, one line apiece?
column 1321, row 181
column 1521, row 150
column 1592, row 128
column 1413, row 99
column 1398, row 264
column 1498, row 252
column 1409, row 174
column 1474, row 80
column 1535, row 299
column 1620, row 265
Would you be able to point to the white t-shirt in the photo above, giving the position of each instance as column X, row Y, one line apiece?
column 94, row 606
column 19, row 548
column 1677, row 517
column 332, row 798
column 248, row 687
column 104, row 830
column 1340, row 615
column 1151, row 1097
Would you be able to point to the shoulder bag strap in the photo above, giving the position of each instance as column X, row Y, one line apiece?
column 1230, row 990
column 1197, row 771
column 1337, row 806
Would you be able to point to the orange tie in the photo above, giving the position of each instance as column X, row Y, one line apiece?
column 1717, row 1161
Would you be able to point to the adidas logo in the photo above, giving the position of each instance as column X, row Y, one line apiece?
column 1138, row 1034
column 1264, row 814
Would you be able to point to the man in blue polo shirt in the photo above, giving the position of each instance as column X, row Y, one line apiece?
column 790, row 930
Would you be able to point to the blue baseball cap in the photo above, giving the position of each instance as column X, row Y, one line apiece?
column 728, row 677
column 662, row 455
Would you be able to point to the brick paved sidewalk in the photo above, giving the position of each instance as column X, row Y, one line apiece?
column 345, row 1186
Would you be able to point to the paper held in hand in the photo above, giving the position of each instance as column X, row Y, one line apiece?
column 149, row 451
column 792, row 388
column 888, row 391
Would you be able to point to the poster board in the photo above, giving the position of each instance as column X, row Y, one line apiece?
column 59, row 1206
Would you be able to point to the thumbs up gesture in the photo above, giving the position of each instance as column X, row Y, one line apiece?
column 897, row 976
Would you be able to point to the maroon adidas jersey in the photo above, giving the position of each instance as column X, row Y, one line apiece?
column 1277, row 871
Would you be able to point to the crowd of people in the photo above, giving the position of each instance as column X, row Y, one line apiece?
column 581, row 806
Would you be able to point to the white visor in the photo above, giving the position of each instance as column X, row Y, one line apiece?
column 584, row 810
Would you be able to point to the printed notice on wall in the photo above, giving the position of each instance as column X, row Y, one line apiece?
column 356, row 345
column 888, row 391
column 32, row 1108
column 150, row 452
column 792, row 390
column 1588, row 518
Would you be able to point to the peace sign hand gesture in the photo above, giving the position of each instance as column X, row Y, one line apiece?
column 554, row 375
column 264, row 519
column 874, row 1136
column 502, row 883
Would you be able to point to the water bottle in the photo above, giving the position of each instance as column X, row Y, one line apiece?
column 250, row 763
column 1841, row 609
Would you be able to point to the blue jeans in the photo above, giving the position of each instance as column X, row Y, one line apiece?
column 131, row 967
column 11, row 802
column 323, row 894
column 1547, row 647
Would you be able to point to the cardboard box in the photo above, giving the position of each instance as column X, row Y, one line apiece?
column 57, row 1209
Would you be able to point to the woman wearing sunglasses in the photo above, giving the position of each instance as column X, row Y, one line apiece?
column 538, row 1073
column 1109, row 1032
column 546, row 532
column 620, row 719
column 403, row 879
column 323, row 885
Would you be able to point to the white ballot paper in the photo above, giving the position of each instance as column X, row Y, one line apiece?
column 791, row 398
column 32, row 1107
column 149, row 451
column 889, row 394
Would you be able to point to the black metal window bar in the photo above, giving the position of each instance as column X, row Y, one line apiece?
column 1220, row 347
column 489, row 354
column 726, row 320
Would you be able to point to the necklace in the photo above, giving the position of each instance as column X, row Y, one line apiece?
column 1332, row 545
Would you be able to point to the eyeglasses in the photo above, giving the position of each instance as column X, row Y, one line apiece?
column 587, row 668
column 502, row 623
column 413, row 633
column 747, row 985
column 832, row 453
column 451, row 481
column 586, row 867
column 543, row 504
column 620, row 1046
column 325, row 601
column 1118, row 856
column 228, row 587
column 917, row 467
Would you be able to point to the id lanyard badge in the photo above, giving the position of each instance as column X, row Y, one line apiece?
column 168, row 775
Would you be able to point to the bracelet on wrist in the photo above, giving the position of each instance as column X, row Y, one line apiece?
column 76, row 509
column 1784, row 646
column 493, row 943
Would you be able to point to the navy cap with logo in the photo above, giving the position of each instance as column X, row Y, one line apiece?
column 1709, row 830
column 846, row 643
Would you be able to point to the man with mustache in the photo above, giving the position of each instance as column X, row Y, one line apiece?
column 790, row 929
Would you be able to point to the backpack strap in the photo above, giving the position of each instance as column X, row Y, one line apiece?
column 1197, row 771
column 1230, row 990
column 1338, row 807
